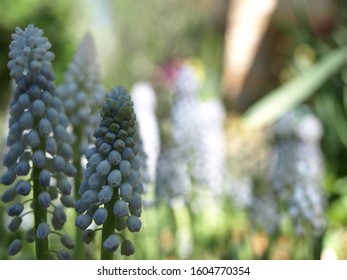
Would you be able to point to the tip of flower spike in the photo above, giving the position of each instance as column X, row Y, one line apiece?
column 86, row 49
column 28, row 50
column 119, row 89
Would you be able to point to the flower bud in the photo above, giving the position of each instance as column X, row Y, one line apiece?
column 64, row 186
column 38, row 107
column 44, row 178
column 59, row 218
column 127, row 248
column 68, row 201
column 15, row 209
column 26, row 120
column 45, row 127
column 22, row 168
column 81, row 205
column 42, row 231
column 63, row 255
column 8, row 177
column 60, row 133
column 103, row 168
column 134, row 223
column 126, row 191
column 9, row 194
column 58, row 163
column 114, row 178
column 105, row 195
column 39, row 159
column 51, row 146
column 90, row 196
column 30, row 235
column 52, row 116
column 83, row 221
column 23, row 187
column 15, row 223
column 120, row 208
column 114, row 157
column 67, row 241
column 125, row 168
column 111, row 243
column 100, row 216
column 15, row 247
column 136, row 201
column 88, row 236
column 44, row 200
column 96, row 182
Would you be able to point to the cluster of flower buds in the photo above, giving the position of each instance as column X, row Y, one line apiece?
column 177, row 162
column 38, row 159
column 210, row 164
column 111, row 189
column 198, row 130
column 185, row 114
column 82, row 94
column 264, row 213
column 240, row 190
column 172, row 180
column 296, row 175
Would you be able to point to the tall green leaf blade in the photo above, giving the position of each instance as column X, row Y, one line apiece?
column 295, row 91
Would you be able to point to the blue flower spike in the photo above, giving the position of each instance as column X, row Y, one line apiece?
column 39, row 146
column 111, row 180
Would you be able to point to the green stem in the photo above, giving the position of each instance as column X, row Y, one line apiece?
column 318, row 246
column 77, row 162
column 108, row 228
column 40, row 216
column 79, row 251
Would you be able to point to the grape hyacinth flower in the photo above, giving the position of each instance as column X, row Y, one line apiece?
column 264, row 213
column 172, row 180
column 185, row 115
column 82, row 96
column 38, row 140
column 296, row 175
column 210, row 166
column 240, row 190
column 197, row 129
column 176, row 164
column 111, row 188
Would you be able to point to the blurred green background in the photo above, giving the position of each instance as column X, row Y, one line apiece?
column 301, row 45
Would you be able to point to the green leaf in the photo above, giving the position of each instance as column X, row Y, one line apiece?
column 295, row 91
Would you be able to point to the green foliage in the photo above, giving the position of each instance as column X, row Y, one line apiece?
column 295, row 91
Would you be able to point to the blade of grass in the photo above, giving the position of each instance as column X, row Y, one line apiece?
column 295, row 91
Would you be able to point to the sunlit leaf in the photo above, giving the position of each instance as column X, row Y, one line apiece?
column 295, row 91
